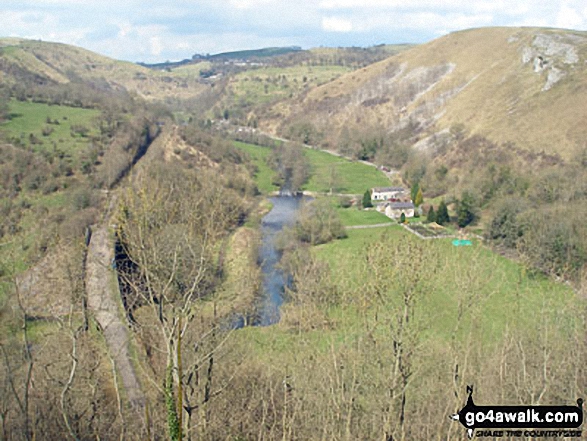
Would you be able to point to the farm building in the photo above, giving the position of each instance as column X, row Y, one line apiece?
column 395, row 209
column 386, row 193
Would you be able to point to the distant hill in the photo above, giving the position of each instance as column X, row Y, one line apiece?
column 254, row 53
column 39, row 62
column 254, row 84
column 226, row 56
column 527, row 86
column 292, row 56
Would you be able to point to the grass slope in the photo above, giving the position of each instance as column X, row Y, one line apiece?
column 511, row 293
column 482, row 78
column 272, row 84
column 40, row 206
column 264, row 175
column 353, row 216
column 254, row 53
column 348, row 177
column 61, row 63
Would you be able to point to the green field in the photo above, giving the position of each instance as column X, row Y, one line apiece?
column 353, row 216
column 347, row 177
column 508, row 295
column 264, row 176
column 28, row 118
column 326, row 169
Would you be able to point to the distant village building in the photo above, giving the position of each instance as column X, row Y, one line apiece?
column 387, row 193
column 394, row 210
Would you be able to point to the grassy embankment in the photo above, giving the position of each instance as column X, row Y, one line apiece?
column 264, row 176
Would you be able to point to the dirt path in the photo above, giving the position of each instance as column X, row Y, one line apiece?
column 103, row 301
column 362, row 227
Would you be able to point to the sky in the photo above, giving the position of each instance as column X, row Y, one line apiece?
column 152, row 31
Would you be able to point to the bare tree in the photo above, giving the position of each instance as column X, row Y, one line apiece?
column 172, row 233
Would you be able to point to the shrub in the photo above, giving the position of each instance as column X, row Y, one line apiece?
column 345, row 202
column 318, row 222
column 83, row 198
column 50, row 186
column 74, row 227
column 47, row 131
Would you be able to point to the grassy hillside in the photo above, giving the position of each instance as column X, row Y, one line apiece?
column 326, row 172
column 249, row 93
column 68, row 129
column 264, row 175
column 46, row 156
column 483, row 79
column 272, row 83
column 505, row 290
column 341, row 175
column 62, row 64
column 254, row 53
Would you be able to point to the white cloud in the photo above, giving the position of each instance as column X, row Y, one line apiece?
column 156, row 46
column 418, row 21
column 570, row 18
column 336, row 24
column 248, row 4
column 39, row 26
column 152, row 30
column 394, row 4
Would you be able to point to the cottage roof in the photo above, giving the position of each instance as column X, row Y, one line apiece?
column 401, row 205
column 387, row 189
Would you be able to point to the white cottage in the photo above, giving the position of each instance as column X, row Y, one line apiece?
column 394, row 210
column 386, row 193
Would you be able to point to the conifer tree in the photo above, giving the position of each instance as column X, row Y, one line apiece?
column 419, row 198
column 367, row 199
column 414, row 191
column 431, row 215
column 466, row 210
column 442, row 216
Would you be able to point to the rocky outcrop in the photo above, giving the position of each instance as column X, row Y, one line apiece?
column 554, row 54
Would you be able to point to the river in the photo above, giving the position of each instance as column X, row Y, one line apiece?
column 282, row 214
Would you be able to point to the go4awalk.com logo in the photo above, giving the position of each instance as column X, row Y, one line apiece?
column 526, row 421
